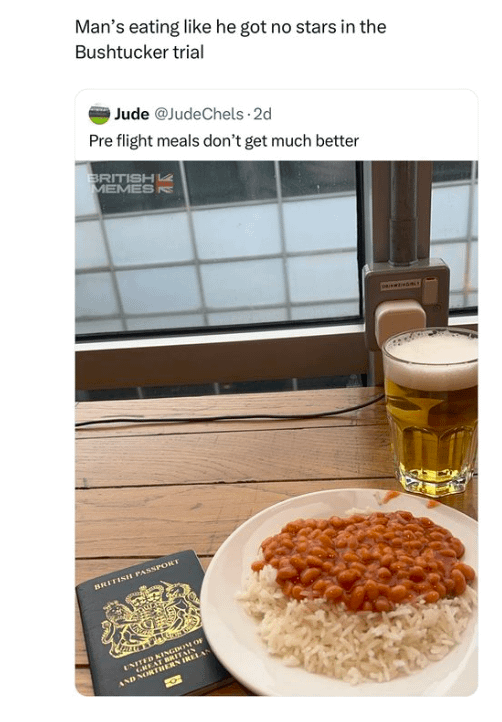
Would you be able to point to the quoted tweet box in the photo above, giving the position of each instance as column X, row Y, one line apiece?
column 112, row 124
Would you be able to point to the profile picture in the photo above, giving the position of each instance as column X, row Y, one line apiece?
column 99, row 114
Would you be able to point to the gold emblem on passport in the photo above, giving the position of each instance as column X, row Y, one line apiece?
column 172, row 681
column 154, row 616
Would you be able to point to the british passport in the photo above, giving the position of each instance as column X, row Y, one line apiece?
column 143, row 630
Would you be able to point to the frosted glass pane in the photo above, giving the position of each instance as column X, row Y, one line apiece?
column 323, row 277
column 320, row 224
column 231, row 232
column 455, row 256
column 243, row 283
column 157, row 322
column 449, row 212
column 315, row 177
column 149, row 238
column 253, row 315
column 89, row 246
column 474, row 228
column 98, row 325
column 229, row 181
column 94, row 295
column 85, row 200
column 473, row 267
column 463, row 300
column 457, row 300
column 155, row 290
column 325, row 310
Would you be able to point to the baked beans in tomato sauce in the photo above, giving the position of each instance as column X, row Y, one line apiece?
column 367, row 562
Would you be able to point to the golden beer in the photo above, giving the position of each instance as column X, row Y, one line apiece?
column 431, row 393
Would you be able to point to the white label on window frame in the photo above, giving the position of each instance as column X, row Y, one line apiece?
column 403, row 283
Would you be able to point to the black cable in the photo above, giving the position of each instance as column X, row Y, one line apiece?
column 190, row 419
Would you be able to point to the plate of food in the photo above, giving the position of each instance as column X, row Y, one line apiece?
column 347, row 592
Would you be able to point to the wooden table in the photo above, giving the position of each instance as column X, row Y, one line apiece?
column 147, row 490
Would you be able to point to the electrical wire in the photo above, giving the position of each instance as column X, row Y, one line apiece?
column 243, row 417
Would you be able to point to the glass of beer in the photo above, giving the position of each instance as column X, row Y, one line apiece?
column 431, row 390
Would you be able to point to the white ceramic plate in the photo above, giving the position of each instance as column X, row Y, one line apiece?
column 232, row 634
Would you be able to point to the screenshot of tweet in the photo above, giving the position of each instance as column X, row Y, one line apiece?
column 204, row 170
column 221, row 212
column 227, row 161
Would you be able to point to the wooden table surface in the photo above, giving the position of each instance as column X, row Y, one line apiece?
column 147, row 490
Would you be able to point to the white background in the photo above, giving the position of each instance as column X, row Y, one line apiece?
column 434, row 44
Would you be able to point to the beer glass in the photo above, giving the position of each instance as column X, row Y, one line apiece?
column 431, row 390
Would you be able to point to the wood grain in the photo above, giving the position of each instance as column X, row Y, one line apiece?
column 338, row 452
column 300, row 402
column 155, row 521
column 145, row 491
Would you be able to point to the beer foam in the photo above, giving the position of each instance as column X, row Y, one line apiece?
column 432, row 360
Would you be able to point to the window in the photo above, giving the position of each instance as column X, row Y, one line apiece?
column 231, row 243
column 170, row 254
column 454, row 228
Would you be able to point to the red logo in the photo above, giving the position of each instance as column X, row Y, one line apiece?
column 165, row 184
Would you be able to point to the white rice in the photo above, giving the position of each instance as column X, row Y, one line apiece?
column 354, row 647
